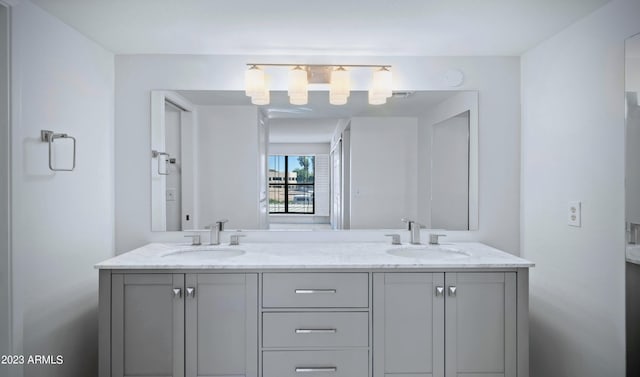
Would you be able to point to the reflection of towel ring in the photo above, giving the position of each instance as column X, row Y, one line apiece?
column 48, row 137
column 156, row 154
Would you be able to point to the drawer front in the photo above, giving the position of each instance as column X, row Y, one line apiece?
column 315, row 329
column 315, row 290
column 350, row 363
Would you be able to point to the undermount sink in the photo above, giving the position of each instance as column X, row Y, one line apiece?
column 205, row 253
column 428, row 251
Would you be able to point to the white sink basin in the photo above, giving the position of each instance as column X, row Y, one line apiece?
column 428, row 252
column 205, row 253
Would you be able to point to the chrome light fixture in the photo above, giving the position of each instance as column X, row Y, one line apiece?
column 302, row 75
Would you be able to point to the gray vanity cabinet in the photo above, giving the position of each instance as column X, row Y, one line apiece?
column 480, row 324
column 445, row 324
column 147, row 325
column 184, row 325
column 221, row 322
column 408, row 322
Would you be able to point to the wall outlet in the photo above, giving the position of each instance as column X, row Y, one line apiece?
column 171, row 195
column 574, row 214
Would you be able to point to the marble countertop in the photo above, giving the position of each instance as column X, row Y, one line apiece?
column 329, row 255
column 633, row 254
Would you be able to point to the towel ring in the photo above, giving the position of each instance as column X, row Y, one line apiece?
column 49, row 137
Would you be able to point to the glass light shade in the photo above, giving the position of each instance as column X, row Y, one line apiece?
column 299, row 100
column 340, row 83
column 376, row 99
column 262, row 99
column 298, row 82
column 254, row 81
column 336, row 99
column 382, row 83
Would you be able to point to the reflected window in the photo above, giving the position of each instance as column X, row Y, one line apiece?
column 294, row 192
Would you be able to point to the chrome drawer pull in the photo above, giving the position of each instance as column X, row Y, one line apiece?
column 319, row 369
column 316, row 331
column 312, row 291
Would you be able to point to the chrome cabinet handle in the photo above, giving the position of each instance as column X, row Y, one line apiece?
column 191, row 292
column 316, row 331
column 177, row 292
column 312, row 291
column 439, row 291
column 452, row 291
column 316, row 369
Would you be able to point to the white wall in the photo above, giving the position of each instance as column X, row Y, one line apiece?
column 228, row 165
column 573, row 149
column 496, row 78
column 62, row 223
column 383, row 171
column 5, row 199
column 298, row 148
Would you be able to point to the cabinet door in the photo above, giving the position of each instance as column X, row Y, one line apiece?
column 408, row 320
column 481, row 324
column 221, row 325
column 147, row 312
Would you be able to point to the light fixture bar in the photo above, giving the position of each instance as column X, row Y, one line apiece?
column 319, row 65
column 301, row 75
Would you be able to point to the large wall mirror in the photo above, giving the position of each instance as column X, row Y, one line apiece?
column 632, row 96
column 215, row 156
column 632, row 200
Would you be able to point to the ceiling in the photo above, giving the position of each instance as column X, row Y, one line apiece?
column 328, row 27
column 316, row 121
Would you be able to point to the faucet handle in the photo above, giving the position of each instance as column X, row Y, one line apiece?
column 220, row 223
column 395, row 238
column 434, row 238
column 195, row 239
column 234, row 239
column 409, row 222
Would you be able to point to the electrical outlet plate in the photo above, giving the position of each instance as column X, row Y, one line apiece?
column 574, row 213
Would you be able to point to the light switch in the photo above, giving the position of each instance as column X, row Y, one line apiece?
column 574, row 214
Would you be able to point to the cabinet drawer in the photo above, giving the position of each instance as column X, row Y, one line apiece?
column 315, row 329
column 315, row 290
column 350, row 363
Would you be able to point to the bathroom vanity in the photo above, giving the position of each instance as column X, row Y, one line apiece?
column 314, row 309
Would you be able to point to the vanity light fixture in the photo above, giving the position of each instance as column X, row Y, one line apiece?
column 301, row 75
column 381, row 86
column 254, row 81
column 298, row 83
column 340, row 86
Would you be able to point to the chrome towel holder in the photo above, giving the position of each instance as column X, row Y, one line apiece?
column 49, row 137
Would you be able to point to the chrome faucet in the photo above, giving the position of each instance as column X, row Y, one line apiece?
column 395, row 238
column 434, row 238
column 195, row 239
column 234, row 239
column 414, row 230
column 214, row 231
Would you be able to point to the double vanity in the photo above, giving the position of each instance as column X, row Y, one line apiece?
column 314, row 309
